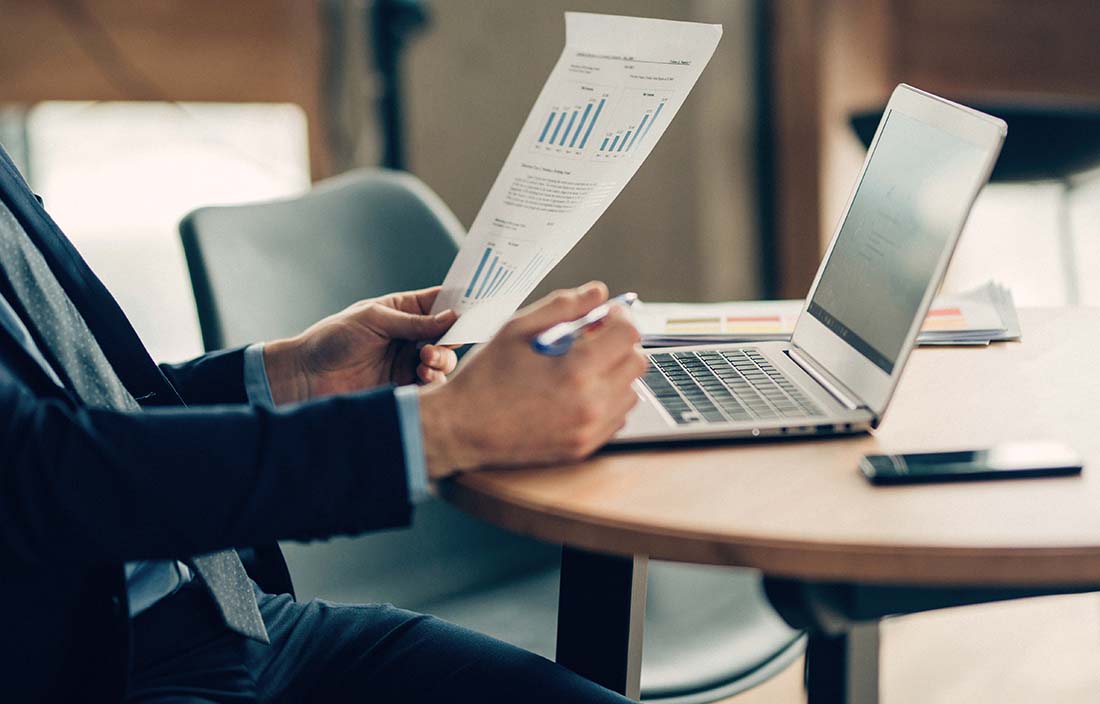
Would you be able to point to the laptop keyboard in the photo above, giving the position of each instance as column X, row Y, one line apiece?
column 719, row 386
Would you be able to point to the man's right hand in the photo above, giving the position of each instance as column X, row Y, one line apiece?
column 507, row 405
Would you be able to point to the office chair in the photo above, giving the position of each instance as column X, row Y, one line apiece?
column 267, row 270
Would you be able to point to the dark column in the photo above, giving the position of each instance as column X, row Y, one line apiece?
column 843, row 669
column 601, row 610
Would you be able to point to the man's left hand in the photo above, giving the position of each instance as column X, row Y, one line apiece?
column 370, row 343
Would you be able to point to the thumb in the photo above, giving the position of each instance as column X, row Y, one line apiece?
column 399, row 325
column 559, row 307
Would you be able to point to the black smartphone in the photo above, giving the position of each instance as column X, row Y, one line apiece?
column 1007, row 461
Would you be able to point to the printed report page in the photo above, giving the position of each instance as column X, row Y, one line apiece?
column 610, row 97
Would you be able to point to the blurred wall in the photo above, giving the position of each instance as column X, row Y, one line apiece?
column 244, row 51
column 684, row 228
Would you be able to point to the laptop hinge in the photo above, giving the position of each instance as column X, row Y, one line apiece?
column 834, row 388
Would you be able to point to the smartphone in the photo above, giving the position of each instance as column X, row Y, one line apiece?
column 1007, row 461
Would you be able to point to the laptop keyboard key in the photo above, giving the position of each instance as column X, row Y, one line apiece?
column 722, row 386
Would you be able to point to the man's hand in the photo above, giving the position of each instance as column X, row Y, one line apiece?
column 368, row 344
column 508, row 405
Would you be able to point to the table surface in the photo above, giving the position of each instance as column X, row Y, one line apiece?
column 800, row 508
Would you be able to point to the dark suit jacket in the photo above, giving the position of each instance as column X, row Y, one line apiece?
column 82, row 491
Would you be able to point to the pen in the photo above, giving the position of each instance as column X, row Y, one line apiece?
column 557, row 340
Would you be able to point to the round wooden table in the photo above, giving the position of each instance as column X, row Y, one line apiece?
column 838, row 552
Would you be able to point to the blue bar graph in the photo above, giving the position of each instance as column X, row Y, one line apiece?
column 477, row 272
column 625, row 137
column 641, row 126
column 538, row 266
column 554, row 137
column 534, row 267
column 614, row 142
column 494, row 282
column 488, row 275
column 599, row 109
column 522, row 278
column 568, row 128
column 580, row 127
column 502, row 276
column 549, row 121
column 655, row 116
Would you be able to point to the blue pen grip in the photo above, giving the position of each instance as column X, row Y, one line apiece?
column 556, row 345
column 553, row 349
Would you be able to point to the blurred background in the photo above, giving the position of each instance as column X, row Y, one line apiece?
column 127, row 115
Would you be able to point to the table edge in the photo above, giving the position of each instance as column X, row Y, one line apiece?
column 821, row 561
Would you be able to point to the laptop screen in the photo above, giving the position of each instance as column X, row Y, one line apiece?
column 907, row 208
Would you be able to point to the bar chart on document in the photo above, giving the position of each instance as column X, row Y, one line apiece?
column 626, row 131
column 569, row 126
column 605, row 123
column 506, row 266
column 615, row 89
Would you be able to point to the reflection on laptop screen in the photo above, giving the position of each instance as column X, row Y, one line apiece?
column 911, row 201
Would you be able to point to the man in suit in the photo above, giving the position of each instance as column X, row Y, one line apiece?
column 127, row 488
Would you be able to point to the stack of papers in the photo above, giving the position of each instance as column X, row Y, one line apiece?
column 976, row 317
column 979, row 316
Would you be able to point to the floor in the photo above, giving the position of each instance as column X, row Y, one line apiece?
column 1038, row 650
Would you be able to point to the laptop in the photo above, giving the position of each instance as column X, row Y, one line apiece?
column 928, row 161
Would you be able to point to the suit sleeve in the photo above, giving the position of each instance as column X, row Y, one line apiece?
column 95, row 486
column 211, row 379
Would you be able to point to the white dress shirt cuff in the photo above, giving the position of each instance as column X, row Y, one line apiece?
column 412, row 440
column 256, row 385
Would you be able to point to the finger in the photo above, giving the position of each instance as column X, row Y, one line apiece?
column 424, row 374
column 418, row 302
column 438, row 357
column 433, row 355
column 428, row 375
column 399, row 325
column 626, row 369
column 559, row 307
column 425, row 298
column 625, row 404
column 621, row 408
column 603, row 346
column 616, row 416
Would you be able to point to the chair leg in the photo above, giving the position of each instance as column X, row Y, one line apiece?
column 843, row 669
column 601, row 612
column 1067, row 249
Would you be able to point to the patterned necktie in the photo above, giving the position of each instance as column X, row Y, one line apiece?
column 63, row 331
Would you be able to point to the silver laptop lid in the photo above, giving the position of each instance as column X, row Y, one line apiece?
column 924, row 168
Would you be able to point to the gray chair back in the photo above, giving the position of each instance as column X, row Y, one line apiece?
column 267, row 270
column 271, row 269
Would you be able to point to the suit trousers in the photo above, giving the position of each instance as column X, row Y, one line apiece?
column 325, row 652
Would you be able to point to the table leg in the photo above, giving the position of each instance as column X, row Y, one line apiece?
column 601, row 610
column 841, row 620
column 843, row 669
